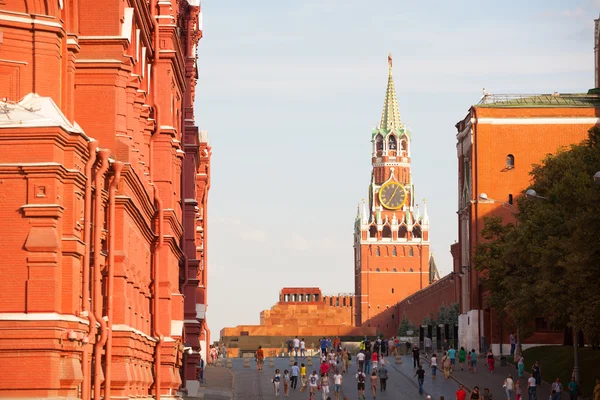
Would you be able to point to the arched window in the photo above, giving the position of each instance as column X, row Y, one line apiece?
column 410, row 252
column 394, row 270
column 331, row 301
column 392, row 144
column 293, row 298
column 510, row 161
column 379, row 143
column 377, row 269
column 410, row 269
column 350, row 301
column 286, row 298
column 316, row 297
column 402, row 232
column 344, row 302
column 394, row 253
column 373, row 231
column 377, row 252
column 404, row 144
column 392, row 290
column 387, row 232
column 510, row 199
column 337, row 301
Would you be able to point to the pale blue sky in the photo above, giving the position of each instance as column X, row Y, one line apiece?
column 289, row 91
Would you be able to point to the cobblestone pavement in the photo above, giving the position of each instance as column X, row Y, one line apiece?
column 253, row 385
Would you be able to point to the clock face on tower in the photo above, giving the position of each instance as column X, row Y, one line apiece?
column 392, row 195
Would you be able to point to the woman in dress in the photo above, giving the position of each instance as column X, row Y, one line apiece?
column 286, row 383
column 433, row 365
column 276, row 382
column 521, row 365
column 490, row 360
column 374, row 380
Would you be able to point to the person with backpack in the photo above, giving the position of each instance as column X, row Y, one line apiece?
column 361, row 378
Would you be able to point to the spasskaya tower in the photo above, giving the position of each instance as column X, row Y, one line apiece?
column 391, row 236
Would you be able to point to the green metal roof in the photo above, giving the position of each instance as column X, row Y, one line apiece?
column 540, row 100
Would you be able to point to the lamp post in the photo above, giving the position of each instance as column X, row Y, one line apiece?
column 513, row 211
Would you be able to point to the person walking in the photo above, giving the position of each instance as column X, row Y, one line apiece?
column 286, row 383
column 360, row 358
column 556, row 389
column 462, row 355
column 508, row 386
column 420, row 374
column 486, row 394
column 361, row 378
column 433, row 366
column 518, row 391
column 428, row 345
column 446, row 366
column 573, row 388
column 276, row 381
column 302, row 348
column 324, row 386
column 374, row 380
column 531, row 388
column 374, row 361
column 337, row 385
column 452, row 355
column 513, row 343
column 303, row 377
column 260, row 358
column 597, row 389
column 536, row 371
column 296, row 342
column 313, row 384
column 201, row 366
column 383, row 377
column 490, row 360
column 521, row 365
column 416, row 353
column 461, row 393
column 473, row 361
column 294, row 375
column 368, row 360
column 475, row 395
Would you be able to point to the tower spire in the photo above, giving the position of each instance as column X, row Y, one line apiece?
column 390, row 117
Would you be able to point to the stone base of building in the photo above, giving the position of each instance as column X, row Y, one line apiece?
column 468, row 330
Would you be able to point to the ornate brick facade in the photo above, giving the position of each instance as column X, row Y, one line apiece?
column 104, row 180
column 391, row 237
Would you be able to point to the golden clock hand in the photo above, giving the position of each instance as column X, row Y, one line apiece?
column 393, row 194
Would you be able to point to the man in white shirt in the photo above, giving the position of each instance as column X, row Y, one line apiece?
column 531, row 388
column 303, row 348
column 360, row 357
column 296, row 345
column 313, row 382
column 337, row 385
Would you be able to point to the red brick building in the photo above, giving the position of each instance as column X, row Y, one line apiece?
column 104, row 180
column 391, row 238
column 497, row 143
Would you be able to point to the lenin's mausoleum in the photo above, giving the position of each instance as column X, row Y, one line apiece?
column 104, row 178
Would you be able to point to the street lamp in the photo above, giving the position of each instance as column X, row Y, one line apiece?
column 532, row 194
column 597, row 178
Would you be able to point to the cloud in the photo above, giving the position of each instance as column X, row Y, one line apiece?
column 255, row 235
column 227, row 220
column 297, row 242
column 300, row 243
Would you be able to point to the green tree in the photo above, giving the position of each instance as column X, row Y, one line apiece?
column 549, row 265
column 405, row 326
column 448, row 315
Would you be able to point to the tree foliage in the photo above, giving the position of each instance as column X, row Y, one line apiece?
column 405, row 326
column 549, row 265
